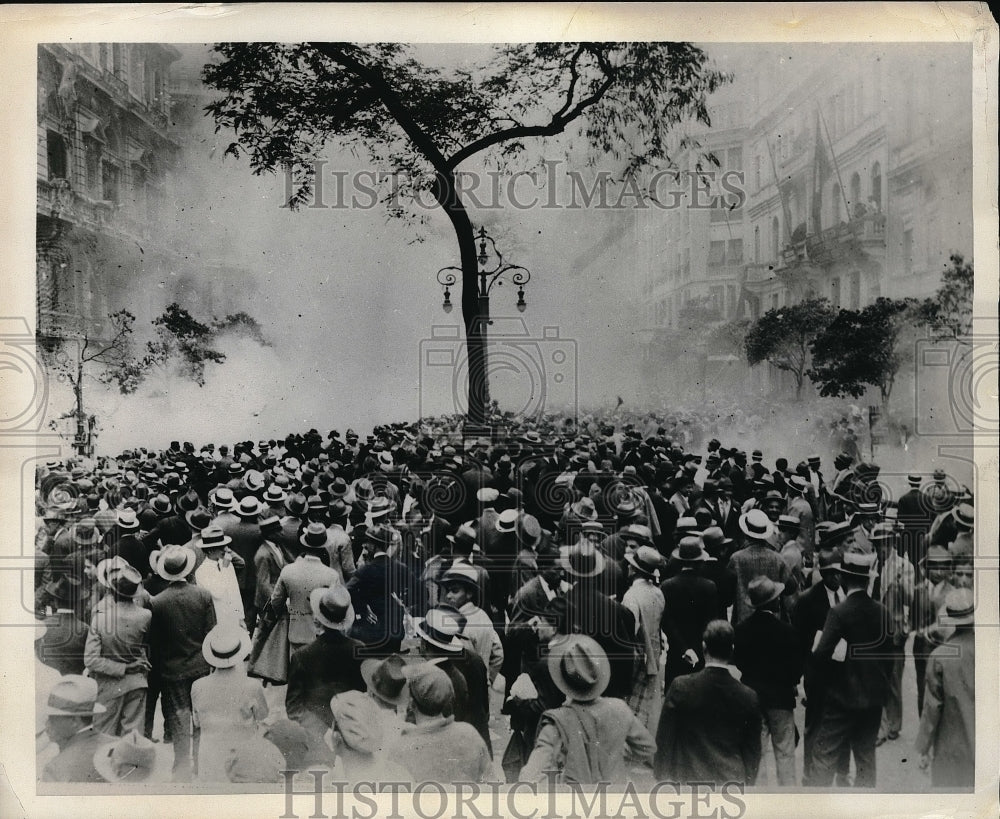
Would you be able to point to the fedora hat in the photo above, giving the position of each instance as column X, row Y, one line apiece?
column 188, row 501
column 85, row 533
column 882, row 532
column 173, row 562
column 124, row 581
column 249, row 507
column 690, row 550
column 126, row 520
column 638, row 533
column 646, row 560
column 687, row 525
column 579, row 667
column 464, row 537
column 762, row 590
column 857, row 564
column 338, row 488
column 581, row 559
column 363, row 489
column 959, row 608
column 314, row 536
column 379, row 507
column 225, row 646
column 198, row 519
column 529, row 531
column 440, row 628
column 938, row 557
column 338, row 509
column 964, row 515
column 74, row 695
column 212, row 537
column 507, row 521
column 380, row 535
column 460, row 573
column 331, row 606
column 832, row 533
column 274, row 494
column 385, row 679
column 756, row 525
column 106, row 567
column 132, row 758
column 714, row 539
column 296, row 504
column 160, row 504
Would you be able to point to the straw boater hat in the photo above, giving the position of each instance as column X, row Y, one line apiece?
column 857, row 564
column 756, row 525
column 440, row 628
column 173, row 562
column 212, row 537
column 314, row 537
column 222, row 498
column 789, row 522
column 225, row 646
column 331, row 607
column 464, row 574
column 249, row 507
column 275, row 494
column 133, row 758
column 964, row 515
column 690, row 550
column 507, row 522
column 937, row 557
column 74, row 695
column 762, row 590
column 385, row 679
column 108, row 566
column 579, row 667
column 959, row 608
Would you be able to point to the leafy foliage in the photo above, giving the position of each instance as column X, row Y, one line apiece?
column 782, row 337
column 860, row 348
column 948, row 313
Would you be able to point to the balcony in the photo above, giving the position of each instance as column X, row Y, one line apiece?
column 866, row 232
column 57, row 200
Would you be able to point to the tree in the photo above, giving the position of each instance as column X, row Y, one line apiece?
column 782, row 337
column 285, row 102
column 948, row 313
column 860, row 348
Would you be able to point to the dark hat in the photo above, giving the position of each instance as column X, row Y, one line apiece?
column 380, row 535
column 431, row 689
column 338, row 488
column 198, row 519
column 582, row 560
column 714, row 539
column 762, row 590
column 385, row 678
column 125, row 580
column 314, row 537
column 339, row 509
column 296, row 504
column 269, row 524
column 579, row 667
column 464, row 538
column 160, row 504
column 188, row 501
column 831, row 534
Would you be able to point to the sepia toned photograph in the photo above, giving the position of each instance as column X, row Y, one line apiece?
column 544, row 422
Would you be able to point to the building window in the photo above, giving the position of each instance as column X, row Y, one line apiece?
column 775, row 238
column 877, row 187
column 56, row 156
column 716, row 254
column 855, row 200
column 118, row 59
column 92, row 161
column 734, row 253
column 756, row 244
column 110, row 183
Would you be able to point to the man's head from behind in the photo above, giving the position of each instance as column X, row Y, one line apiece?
column 718, row 641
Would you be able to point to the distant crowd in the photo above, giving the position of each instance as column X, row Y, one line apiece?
column 642, row 594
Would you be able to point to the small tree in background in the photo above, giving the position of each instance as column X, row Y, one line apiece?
column 948, row 313
column 782, row 337
column 861, row 348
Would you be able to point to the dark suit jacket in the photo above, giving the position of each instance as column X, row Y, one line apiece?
column 709, row 730
column 75, row 761
column 172, row 529
column 768, row 654
column 62, row 646
column 590, row 612
column 372, row 586
column 474, row 706
column 182, row 615
column 690, row 601
column 808, row 617
column 861, row 681
column 325, row 667
column 435, row 540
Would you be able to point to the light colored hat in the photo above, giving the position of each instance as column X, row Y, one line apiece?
column 332, row 606
column 964, row 515
column 959, row 608
column 212, row 537
column 579, row 667
column 690, row 550
column 173, row 562
column 646, row 560
column 756, row 525
column 430, row 688
column 507, row 522
column 225, row 646
column 248, row 507
column 132, row 758
column 74, row 696
column 487, row 494
column 461, row 573
column 222, row 498
column 126, row 519
column 441, row 629
column 858, row 564
column 107, row 566
column 357, row 720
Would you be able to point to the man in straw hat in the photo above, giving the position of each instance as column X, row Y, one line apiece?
column 117, row 654
column 755, row 559
column 182, row 615
column 853, row 653
column 710, row 727
column 359, row 741
column 586, row 738
column 329, row 665
column 690, row 602
column 246, row 539
column 133, row 759
column 946, row 739
column 71, row 709
column 218, row 573
column 646, row 602
column 768, row 654
column 437, row 746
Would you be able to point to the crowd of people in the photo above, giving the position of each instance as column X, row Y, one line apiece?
column 639, row 595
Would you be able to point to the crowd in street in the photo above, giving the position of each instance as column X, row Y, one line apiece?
column 640, row 592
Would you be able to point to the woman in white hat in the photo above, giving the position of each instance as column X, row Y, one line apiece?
column 227, row 704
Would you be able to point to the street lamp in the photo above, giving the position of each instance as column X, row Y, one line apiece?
column 489, row 275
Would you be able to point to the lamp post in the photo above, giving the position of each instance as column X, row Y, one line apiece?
column 492, row 271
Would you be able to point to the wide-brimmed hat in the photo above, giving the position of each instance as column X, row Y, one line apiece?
column 882, row 532
column 314, row 536
column 581, row 559
column 212, row 537
column 790, row 522
column 123, row 580
column 756, row 525
column 687, row 525
column 690, row 550
column 959, row 608
column 645, row 560
column 253, row 480
column 380, row 535
column 465, row 537
column 385, row 679
column 638, row 533
column 529, row 531
column 331, row 606
column 797, row 483
column 248, row 507
column 74, row 695
column 173, row 562
column 867, row 510
column 938, row 557
column 338, row 488
column 363, row 489
column 296, row 504
column 579, row 667
column 964, row 515
column 188, row 501
column 379, row 507
column 126, row 520
column 857, row 564
column 274, row 494
column 762, row 590
column 160, row 504
column 832, row 533
column 461, row 573
column 85, row 533
column 225, row 646
column 106, row 567
column 222, row 498
column 585, row 509
column 439, row 628
column 198, row 519
column 507, row 521
column 132, row 758
column 714, row 539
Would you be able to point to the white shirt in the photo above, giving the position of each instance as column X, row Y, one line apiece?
column 221, row 582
